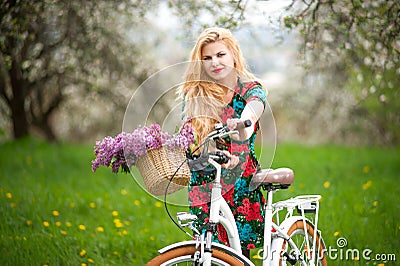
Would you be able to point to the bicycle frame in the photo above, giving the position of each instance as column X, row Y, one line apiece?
column 219, row 205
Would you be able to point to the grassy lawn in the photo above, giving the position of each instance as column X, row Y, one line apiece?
column 54, row 210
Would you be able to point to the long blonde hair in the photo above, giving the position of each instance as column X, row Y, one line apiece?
column 203, row 97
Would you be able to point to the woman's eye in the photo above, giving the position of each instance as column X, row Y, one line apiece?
column 207, row 58
column 221, row 54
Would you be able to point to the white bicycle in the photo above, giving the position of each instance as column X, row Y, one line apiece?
column 295, row 240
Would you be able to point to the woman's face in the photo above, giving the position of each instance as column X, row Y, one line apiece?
column 218, row 62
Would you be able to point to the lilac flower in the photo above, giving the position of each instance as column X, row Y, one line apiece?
column 122, row 151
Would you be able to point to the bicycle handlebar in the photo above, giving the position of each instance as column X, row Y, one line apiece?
column 220, row 130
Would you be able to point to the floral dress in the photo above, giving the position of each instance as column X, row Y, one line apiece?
column 246, row 205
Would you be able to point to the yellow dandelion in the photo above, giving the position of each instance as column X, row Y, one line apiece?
column 8, row 195
column 136, row 202
column 381, row 264
column 114, row 213
column 68, row 224
column 46, row 224
column 128, row 223
column 356, row 258
column 336, row 234
column 367, row 185
column 119, row 225
column 375, row 203
column 124, row 232
column 82, row 253
column 116, row 253
column 158, row 204
column 13, row 204
column 327, row 184
column 90, row 260
column 100, row 229
column 28, row 222
column 58, row 223
column 63, row 232
column 124, row 192
column 82, row 227
column 366, row 169
column 83, row 264
column 152, row 238
column 56, row 213
column 92, row 205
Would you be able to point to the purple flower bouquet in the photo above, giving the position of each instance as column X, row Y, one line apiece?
column 125, row 149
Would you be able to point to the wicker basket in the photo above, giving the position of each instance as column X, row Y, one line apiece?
column 157, row 167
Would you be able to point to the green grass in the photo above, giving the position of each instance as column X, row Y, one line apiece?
column 54, row 210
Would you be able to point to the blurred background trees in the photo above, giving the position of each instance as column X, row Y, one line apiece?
column 56, row 52
column 350, row 50
column 69, row 68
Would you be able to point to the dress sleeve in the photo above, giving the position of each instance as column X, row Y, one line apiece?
column 256, row 92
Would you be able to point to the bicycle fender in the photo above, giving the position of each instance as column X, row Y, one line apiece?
column 221, row 247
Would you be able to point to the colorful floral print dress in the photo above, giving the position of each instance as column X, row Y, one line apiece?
column 246, row 205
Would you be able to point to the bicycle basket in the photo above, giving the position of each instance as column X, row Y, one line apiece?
column 157, row 167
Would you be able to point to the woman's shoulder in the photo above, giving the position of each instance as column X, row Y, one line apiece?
column 251, row 89
column 248, row 85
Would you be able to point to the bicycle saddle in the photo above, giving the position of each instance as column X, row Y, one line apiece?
column 279, row 176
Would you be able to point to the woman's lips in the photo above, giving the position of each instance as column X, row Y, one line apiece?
column 217, row 70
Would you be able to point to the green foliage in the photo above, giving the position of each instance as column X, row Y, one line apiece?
column 54, row 210
column 345, row 39
column 377, row 96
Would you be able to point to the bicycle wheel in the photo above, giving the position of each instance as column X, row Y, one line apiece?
column 183, row 256
column 304, row 241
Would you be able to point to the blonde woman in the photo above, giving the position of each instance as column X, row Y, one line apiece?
column 219, row 88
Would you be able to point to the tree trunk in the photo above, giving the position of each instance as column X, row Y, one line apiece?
column 17, row 102
column 18, row 115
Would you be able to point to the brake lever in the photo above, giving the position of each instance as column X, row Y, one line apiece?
column 223, row 134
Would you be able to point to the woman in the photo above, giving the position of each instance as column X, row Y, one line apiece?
column 219, row 88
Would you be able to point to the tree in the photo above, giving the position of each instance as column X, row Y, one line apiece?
column 356, row 44
column 50, row 49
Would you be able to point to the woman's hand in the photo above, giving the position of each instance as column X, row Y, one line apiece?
column 233, row 160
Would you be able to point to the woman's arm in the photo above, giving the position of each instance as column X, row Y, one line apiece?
column 252, row 111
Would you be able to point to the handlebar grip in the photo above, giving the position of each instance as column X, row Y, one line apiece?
column 243, row 124
column 222, row 158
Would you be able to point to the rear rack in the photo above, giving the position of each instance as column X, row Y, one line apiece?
column 304, row 203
